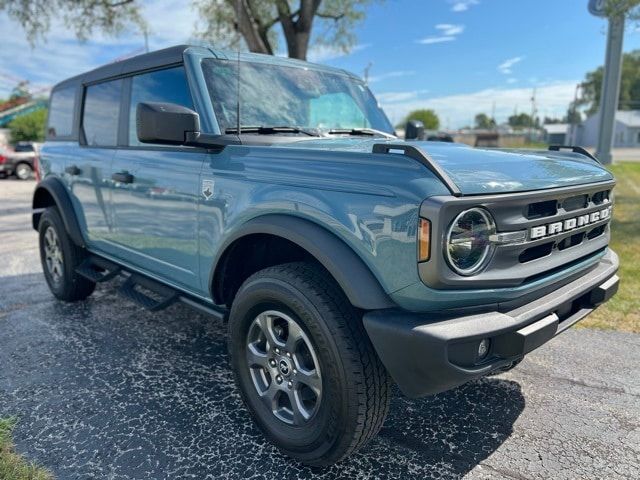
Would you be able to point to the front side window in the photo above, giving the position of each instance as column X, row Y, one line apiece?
column 61, row 108
column 168, row 86
column 290, row 96
column 101, row 113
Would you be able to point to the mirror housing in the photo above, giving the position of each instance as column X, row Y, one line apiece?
column 166, row 123
column 414, row 130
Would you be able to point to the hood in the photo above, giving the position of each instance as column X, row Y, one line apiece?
column 484, row 171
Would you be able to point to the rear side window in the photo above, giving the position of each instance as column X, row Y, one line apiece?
column 61, row 108
column 101, row 112
column 168, row 86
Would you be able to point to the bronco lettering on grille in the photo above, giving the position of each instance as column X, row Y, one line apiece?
column 568, row 224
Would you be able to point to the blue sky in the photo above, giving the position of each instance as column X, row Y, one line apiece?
column 459, row 57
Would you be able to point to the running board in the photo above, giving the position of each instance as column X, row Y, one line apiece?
column 158, row 296
column 98, row 269
column 162, row 297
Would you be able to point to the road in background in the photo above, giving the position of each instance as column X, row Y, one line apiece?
column 104, row 389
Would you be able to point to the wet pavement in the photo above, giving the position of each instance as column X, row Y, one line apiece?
column 104, row 389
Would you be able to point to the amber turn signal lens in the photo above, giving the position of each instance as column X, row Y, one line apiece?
column 424, row 240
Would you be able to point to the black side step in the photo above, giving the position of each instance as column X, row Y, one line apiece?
column 98, row 269
column 167, row 296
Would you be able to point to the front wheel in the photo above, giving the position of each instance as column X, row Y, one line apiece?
column 304, row 365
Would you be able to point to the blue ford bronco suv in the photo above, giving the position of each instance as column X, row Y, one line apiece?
column 273, row 194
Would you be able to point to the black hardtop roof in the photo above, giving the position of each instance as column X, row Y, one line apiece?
column 145, row 61
column 170, row 56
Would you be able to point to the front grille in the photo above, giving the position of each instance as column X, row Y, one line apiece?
column 575, row 203
column 542, row 209
column 567, row 218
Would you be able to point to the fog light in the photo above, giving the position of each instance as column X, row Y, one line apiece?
column 483, row 348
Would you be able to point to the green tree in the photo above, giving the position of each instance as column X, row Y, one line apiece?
column 29, row 127
column 428, row 118
column 552, row 120
column 220, row 20
column 84, row 17
column 629, row 97
column 520, row 120
column 484, row 121
column 255, row 21
column 573, row 115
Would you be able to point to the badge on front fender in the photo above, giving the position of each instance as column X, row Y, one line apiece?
column 207, row 188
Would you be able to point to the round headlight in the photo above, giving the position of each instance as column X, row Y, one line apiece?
column 469, row 247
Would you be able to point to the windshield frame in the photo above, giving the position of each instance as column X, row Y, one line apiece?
column 372, row 112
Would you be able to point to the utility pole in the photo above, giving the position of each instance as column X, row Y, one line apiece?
column 493, row 114
column 611, row 79
column 533, row 113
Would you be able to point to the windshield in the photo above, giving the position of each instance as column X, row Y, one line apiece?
column 283, row 96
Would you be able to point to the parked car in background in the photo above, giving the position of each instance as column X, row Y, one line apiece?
column 19, row 161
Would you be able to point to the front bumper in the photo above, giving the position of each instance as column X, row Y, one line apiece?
column 431, row 353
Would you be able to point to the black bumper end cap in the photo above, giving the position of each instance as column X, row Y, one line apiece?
column 526, row 339
column 605, row 291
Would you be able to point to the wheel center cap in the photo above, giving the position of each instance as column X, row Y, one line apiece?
column 284, row 367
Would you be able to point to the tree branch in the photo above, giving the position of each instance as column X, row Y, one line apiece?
column 120, row 4
column 331, row 16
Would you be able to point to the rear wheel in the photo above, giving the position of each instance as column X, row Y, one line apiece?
column 60, row 257
column 24, row 171
column 304, row 364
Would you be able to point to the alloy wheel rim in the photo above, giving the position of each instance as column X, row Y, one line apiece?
column 22, row 172
column 284, row 367
column 53, row 254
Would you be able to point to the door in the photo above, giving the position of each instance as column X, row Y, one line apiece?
column 156, row 189
column 90, row 170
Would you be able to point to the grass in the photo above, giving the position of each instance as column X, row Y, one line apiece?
column 12, row 465
column 622, row 312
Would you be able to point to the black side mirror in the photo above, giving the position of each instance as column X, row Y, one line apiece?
column 414, row 130
column 166, row 123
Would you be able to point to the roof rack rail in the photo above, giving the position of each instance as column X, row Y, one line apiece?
column 417, row 154
column 573, row 148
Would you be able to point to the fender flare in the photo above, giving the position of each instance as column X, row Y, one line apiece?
column 355, row 278
column 56, row 190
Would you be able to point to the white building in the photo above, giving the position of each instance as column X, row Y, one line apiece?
column 626, row 133
column 556, row 133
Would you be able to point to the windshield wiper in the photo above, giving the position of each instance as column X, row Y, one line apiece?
column 360, row 131
column 264, row 130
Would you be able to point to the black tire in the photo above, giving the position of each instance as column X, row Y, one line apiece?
column 354, row 384
column 64, row 282
column 23, row 171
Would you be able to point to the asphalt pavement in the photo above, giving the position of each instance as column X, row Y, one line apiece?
column 104, row 389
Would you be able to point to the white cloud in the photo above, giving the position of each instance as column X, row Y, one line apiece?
column 323, row 53
column 505, row 67
column 450, row 29
column 431, row 40
column 393, row 74
column 459, row 110
column 395, row 97
column 462, row 5
column 512, row 80
column 447, row 33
